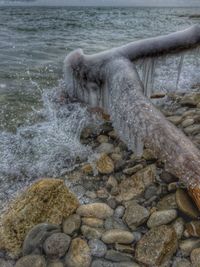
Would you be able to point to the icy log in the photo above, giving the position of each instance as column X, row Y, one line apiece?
column 109, row 80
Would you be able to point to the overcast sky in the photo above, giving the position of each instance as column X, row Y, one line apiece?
column 105, row 2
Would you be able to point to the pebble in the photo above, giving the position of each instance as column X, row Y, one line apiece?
column 156, row 246
column 179, row 226
column 55, row 264
column 193, row 228
column 117, row 236
column 31, row 261
column 150, row 192
column 175, row 119
column 56, row 245
column 93, row 222
column 4, row 263
column 135, row 215
column 33, row 243
column 106, row 148
column 79, row 254
column 186, row 246
column 130, row 171
column 161, row 217
column 180, row 262
column 115, row 223
column 105, row 263
column 71, row 224
column 168, row 177
column 119, row 212
column 102, row 139
column 105, row 164
column 187, row 122
column 91, row 233
column 117, row 256
column 192, row 129
column 95, row 210
column 148, row 154
column 195, row 257
column 124, row 248
column 185, row 204
column 97, row 248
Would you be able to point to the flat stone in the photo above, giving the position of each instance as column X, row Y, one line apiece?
column 93, row 222
column 175, row 119
column 193, row 228
column 157, row 246
column 56, row 245
column 195, row 257
column 117, row 256
column 135, row 215
column 79, row 254
column 91, row 233
column 105, row 164
column 71, row 224
column 158, row 218
column 132, row 170
column 95, row 210
column 190, row 99
column 125, row 248
column 117, row 236
column 192, row 129
column 33, row 243
column 105, row 263
column 185, row 204
column 167, row 202
column 31, row 261
column 97, row 248
column 186, row 246
column 135, row 185
column 187, row 122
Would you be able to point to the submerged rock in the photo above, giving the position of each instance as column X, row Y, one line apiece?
column 157, row 246
column 47, row 200
column 105, row 164
column 31, row 261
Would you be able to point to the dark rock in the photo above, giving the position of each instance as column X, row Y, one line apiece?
column 97, row 247
column 117, row 256
column 71, row 224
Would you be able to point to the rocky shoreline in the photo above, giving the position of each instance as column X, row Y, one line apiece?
column 132, row 213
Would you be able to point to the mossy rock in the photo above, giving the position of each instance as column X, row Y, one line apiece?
column 47, row 200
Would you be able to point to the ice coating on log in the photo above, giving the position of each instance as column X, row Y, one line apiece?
column 113, row 81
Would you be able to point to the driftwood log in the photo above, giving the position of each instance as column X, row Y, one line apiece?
column 109, row 80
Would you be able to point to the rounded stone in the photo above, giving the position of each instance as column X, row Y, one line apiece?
column 55, row 264
column 95, row 210
column 117, row 236
column 97, row 247
column 31, row 261
column 91, row 233
column 33, row 243
column 186, row 246
column 119, row 211
column 93, row 222
column 161, row 217
column 4, row 263
column 185, row 204
column 135, row 215
column 79, row 254
column 195, row 257
column 105, row 164
column 71, row 224
column 57, row 245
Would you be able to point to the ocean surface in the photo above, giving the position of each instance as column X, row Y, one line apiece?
column 38, row 136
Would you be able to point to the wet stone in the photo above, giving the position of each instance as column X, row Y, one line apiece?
column 93, row 222
column 95, row 210
column 180, row 262
column 117, row 256
column 4, row 263
column 105, row 263
column 36, row 236
column 119, row 212
column 131, row 171
column 79, row 254
column 195, row 257
column 151, row 191
column 97, row 248
column 157, row 246
column 186, row 246
column 105, row 148
column 56, row 245
column 161, row 217
column 117, row 236
column 31, row 261
column 167, row 202
column 71, row 224
column 179, row 227
column 193, row 228
column 115, row 223
column 105, row 164
column 55, row 264
column 135, row 215
column 91, row 233
column 185, row 204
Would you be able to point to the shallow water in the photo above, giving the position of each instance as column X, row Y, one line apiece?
column 39, row 134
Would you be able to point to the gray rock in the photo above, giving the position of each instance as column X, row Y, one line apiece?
column 158, row 218
column 119, row 212
column 167, row 202
column 104, row 263
column 35, row 238
column 79, row 254
column 117, row 236
column 4, row 263
column 105, row 148
column 31, row 261
column 135, row 215
column 180, row 262
column 97, row 247
column 151, row 191
column 179, row 226
column 195, row 257
column 57, row 245
column 71, row 224
column 118, row 256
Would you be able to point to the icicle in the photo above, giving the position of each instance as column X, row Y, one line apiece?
column 180, row 66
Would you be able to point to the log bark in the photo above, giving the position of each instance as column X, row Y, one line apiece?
column 109, row 80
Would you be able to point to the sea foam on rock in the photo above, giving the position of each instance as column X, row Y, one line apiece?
column 47, row 200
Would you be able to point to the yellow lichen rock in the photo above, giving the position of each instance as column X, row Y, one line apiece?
column 47, row 200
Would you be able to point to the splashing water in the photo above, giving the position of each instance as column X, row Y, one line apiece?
column 47, row 148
